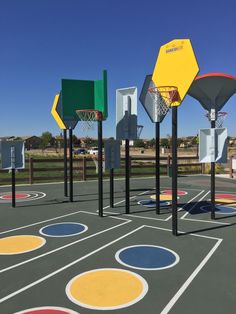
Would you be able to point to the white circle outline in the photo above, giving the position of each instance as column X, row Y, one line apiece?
column 140, row 297
column 218, row 212
column 167, row 203
column 117, row 257
column 47, row 308
column 25, row 235
column 185, row 192
column 63, row 236
column 36, row 196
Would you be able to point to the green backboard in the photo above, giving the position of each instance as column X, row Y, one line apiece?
column 81, row 94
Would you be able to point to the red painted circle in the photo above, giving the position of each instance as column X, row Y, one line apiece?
column 18, row 196
column 169, row 192
column 230, row 196
column 45, row 311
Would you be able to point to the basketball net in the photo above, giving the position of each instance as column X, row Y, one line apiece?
column 163, row 97
column 87, row 117
column 220, row 118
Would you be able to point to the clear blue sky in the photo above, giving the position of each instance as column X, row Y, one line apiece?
column 43, row 41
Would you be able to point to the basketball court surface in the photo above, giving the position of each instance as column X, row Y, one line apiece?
column 61, row 257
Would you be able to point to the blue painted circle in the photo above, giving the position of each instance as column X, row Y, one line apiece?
column 147, row 257
column 152, row 204
column 64, row 229
column 220, row 209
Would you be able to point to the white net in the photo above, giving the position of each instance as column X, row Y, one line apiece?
column 220, row 118
column 163, row 97
column 87, row 118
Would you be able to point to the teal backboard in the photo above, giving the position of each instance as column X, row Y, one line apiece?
column 81, row 94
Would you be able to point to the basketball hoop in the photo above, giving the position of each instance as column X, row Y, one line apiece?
column 164, row 97
column 87, row 117
column 139, row 130
column 220, row 118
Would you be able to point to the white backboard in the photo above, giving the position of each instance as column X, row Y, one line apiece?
column 213, row 145
column 126, row 113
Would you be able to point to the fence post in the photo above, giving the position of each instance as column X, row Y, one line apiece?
column 31, row 171
column 231, row 167
column 168, row 165
column 84, row 168
column 130, row 164
column 203, row 168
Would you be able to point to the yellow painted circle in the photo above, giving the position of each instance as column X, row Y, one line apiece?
column 20, row 244
column 225, row 201
column 106, row 289
column 162, row 197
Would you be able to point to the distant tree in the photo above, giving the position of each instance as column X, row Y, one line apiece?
column 46, row 139
column 164, row 142
column 90, row 142
column 139, row 143
column 152, row 143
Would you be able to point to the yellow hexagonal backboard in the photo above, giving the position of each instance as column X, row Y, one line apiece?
column 177, row 66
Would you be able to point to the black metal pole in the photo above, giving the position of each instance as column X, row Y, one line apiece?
column 13, row 186
column 213, row 179
column 157, row 168
column 65, row 162
column 100, row 170
column 174, row 172
column 71, row 164
column 127, row 175
column 112, row 187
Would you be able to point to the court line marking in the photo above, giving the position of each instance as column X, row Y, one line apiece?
column 182, row 289
column 151, row 218
column 66, row 215
column 37, row 196
column 182, row 208
column 183, row 217
column 201, row 220
column 51, row 219
column 62, row 247
column 170, row 304
column 34, row 283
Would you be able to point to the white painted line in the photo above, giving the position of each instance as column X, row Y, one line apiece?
column 62, row 247
column 143, row 217
column 175, row 298
column 13, row 294
column 55, row 218
column 192, row 234
column 208, row 221
column 181, row 208
column 195, row 204
column 40, row 222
